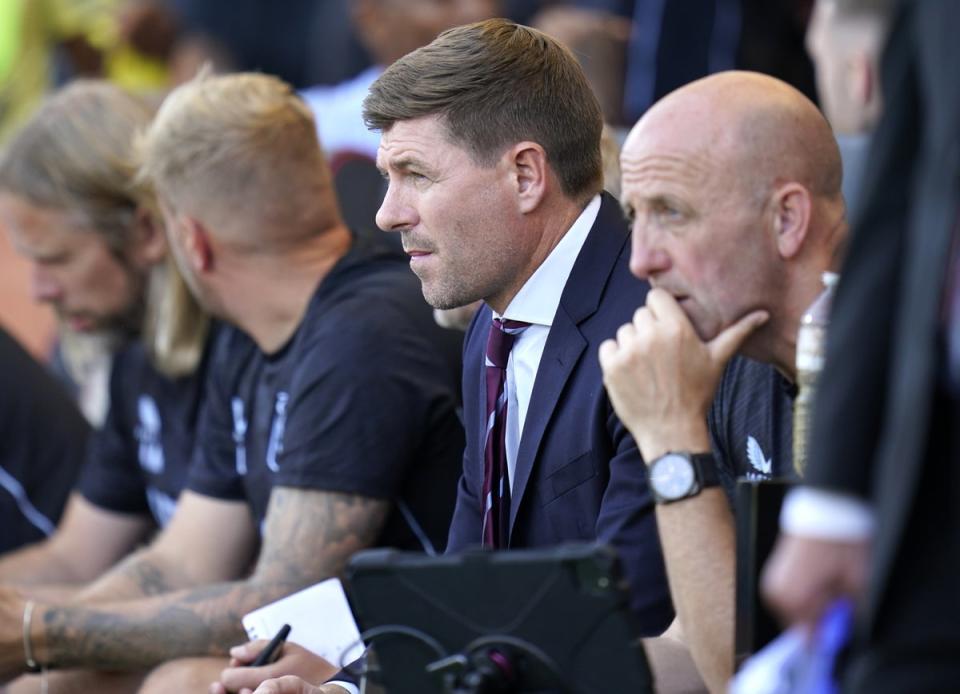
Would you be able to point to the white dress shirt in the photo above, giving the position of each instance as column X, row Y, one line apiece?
column 536, row 303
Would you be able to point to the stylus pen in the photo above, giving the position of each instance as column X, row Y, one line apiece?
column 267, row 654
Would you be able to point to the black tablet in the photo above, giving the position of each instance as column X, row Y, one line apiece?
column 546, row 620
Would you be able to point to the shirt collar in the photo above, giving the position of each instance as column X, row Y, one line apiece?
column 539, row 297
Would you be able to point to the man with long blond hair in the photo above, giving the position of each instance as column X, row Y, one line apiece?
column 330, row 423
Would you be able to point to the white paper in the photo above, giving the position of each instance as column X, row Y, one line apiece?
column 320, row 620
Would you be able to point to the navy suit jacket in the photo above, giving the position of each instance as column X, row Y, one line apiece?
column 579, row 475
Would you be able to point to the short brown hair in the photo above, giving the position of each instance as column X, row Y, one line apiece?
column 496, row 83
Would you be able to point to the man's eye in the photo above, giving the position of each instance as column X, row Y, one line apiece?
column 668, row 212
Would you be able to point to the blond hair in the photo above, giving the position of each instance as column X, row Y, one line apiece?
column 76, row 154
column 241, row 152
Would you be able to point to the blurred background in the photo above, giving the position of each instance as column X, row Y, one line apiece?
column 633, row 51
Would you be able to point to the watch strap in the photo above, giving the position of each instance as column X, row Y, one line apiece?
column 705, row 467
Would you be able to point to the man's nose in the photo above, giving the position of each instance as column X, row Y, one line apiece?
column 395, row 213
column 44, row 287
column 647, row 258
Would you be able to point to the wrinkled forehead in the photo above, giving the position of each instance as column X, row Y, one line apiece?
column 650, row 165
column 426, row 139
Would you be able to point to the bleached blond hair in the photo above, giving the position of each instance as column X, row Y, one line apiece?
column 240, row 152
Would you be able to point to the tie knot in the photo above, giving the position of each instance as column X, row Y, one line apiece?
column 502, row 334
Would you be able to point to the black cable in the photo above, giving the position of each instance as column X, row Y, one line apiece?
column 371, row 636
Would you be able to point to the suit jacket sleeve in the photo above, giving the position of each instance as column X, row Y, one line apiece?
column 852, row 389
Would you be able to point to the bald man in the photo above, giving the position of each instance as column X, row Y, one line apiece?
column 732, row 186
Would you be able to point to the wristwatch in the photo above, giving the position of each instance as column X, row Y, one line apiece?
column 679, row 475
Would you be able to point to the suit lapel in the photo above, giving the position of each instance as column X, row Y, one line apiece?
column 563, row 349
column 566, row 343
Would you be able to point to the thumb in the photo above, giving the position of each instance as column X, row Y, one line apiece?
column 726, row 344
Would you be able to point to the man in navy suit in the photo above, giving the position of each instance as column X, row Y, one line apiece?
column 495, row 186
column 490, row 141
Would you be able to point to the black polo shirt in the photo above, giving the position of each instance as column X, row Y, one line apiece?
column 138, row 460
column 362, row 400
column 751, row 423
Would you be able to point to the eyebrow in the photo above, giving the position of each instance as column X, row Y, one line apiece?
column 405, row 163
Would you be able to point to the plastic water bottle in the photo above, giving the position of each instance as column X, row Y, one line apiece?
column 811, row 348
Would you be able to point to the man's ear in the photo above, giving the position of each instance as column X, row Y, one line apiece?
column 529, row 170
column 792, row 207
column 197, row 245
column 150, row 246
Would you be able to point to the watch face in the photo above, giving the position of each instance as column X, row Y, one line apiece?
column 672, row 476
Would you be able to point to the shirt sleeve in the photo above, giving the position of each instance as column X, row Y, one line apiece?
column 218, row 463
column 111, row 477
column 823, row 515
column 357, row 412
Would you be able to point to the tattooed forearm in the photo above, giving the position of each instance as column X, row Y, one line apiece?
column 316, row 532
column 140, row 575
column 144, row 633
column 309, row 536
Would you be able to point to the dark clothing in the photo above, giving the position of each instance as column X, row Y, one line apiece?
column 42, row 439
column 361, row 400
column 304, row 42
column 137, row 462
column 579, row 475
column 883, row 428
column 751, row 423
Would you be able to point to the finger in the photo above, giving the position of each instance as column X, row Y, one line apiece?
column 625, row 334
column 664, row 307
column 607, row 353
column 216, row 688
column 796, row 597
column 237, row 678
column 246, row 652
column 285, row 685
column 726, row 344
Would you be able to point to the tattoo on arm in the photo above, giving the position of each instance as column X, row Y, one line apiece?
column 309, row 536
column 138, row 576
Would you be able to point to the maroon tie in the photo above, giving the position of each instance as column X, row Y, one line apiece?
column 496, row 483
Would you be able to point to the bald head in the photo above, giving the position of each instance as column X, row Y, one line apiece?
column 733, row 185
column 759, row 130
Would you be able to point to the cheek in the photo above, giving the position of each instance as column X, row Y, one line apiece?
column 107, row 279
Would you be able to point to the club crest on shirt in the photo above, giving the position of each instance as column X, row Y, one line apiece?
column 762, row 466
column 239, row 435
column 275, row 445
column 147, row 432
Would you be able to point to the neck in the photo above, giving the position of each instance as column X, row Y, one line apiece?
column 781, row 347
column 545, row 228
column 267, row 294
